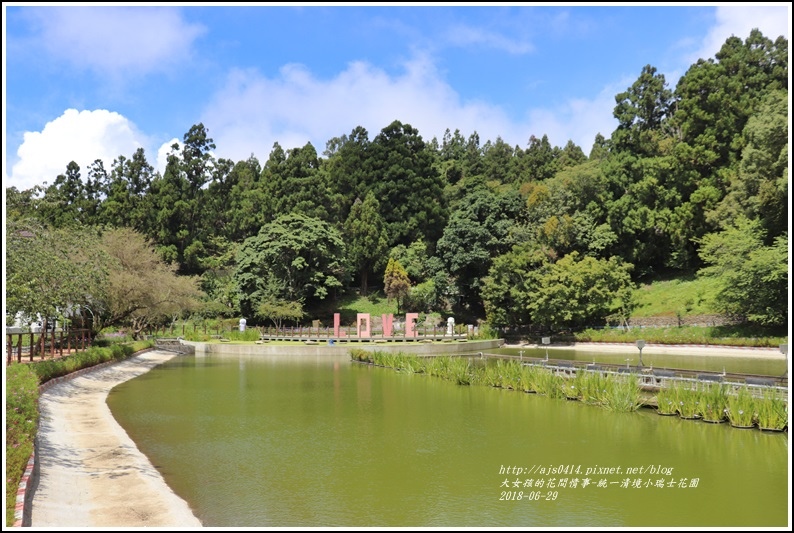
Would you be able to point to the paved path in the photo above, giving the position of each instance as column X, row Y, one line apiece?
column 677, row 349
column 91, row 473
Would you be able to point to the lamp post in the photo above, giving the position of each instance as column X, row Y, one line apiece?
column 546, row 341
column 640, row 345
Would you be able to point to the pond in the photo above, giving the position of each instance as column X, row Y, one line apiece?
column 707, row 363
column 296, row 441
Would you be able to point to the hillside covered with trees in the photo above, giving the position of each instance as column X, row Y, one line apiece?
column 694, row 180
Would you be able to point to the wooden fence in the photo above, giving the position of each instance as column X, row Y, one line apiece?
column 37, row 346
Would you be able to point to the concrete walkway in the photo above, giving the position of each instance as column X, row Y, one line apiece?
column 91, row 474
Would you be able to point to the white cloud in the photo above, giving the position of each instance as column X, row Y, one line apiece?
column 464, row 35
column 79, row 136
column 773, row 21
column 162, row 154
column 116, row 41
column 252, row 112
column 580, row 119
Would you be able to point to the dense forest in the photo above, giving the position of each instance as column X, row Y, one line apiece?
column 694, row 180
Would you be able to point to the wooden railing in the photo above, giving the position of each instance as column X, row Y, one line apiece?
column 40, row 345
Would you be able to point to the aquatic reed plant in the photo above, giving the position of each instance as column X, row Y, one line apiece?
column 511, row 375
column 713, row 400
column 490, row 375
column 593, row 387
column 688, row 398
column 572, row 387
column 408, row 363
column 772, row 410
column 550, row 384
column 666, row 403
column 431, row 366
column 741, row 408
column 460, row 371
column 623, row 394
column 529, row 378
column 357, row 354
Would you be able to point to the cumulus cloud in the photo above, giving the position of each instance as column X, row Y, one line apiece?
column 163, row 152
column 252, row 112
column 773, row 21
column 79, row 136
column 116, row 41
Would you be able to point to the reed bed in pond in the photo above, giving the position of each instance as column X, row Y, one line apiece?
column 688, row 400
column 772, row 410
column 666, row 403
column 741, row 409
column 622, row 394
column 713, row 402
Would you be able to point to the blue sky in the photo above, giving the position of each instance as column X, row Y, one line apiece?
column 84, row 83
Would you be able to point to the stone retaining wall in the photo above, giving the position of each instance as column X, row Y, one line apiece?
column 672, row 321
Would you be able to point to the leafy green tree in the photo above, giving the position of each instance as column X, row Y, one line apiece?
column 125, row 190
column 142, row 289
column 641, row 112
column 177, row 223
column 507, row 289
column 759, row 190
column 578, row 292
column 406, row 184
column 571, row 155
column 297, row 186
column 217, row 280
column 478, row 230
column 753, row 277
column 497, row 161
column 347, row 171
column 279, row 311
column 716, row 97
column 62, row 204
column 19, row 204
column 600, row 149
column 415, row 259
column 396, row 284
column 538, row 161
column 568, row 212
column 294, row 258
column 52, row 272
column 247, row 200
column 365, row 234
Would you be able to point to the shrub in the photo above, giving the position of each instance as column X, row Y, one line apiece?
column 22, row 414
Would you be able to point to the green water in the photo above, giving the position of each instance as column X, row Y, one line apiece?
column 303, row 441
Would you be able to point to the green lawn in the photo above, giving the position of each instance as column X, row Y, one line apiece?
column 689, row 296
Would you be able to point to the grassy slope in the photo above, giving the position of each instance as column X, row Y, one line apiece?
column 688, row 295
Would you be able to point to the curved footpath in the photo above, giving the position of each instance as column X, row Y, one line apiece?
column 91, row 472
column 93, row 475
